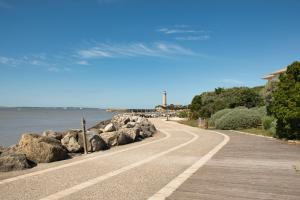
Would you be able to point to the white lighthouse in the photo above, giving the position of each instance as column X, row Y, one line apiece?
column 164, row 99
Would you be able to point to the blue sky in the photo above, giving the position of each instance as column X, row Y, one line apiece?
column 124, row 53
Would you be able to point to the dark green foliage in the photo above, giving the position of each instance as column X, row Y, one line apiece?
column 239, row 119
column 208, row 103
column 195, row 106
column 286, row 104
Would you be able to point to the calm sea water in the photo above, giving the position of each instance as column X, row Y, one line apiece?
column 15, row 121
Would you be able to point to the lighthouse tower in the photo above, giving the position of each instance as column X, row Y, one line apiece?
column 164, row 99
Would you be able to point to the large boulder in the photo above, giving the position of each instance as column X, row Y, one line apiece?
column 101, row 125
column 41, row 149
column 11, row 149
column 71, row 141
column 53, row 134
column 110, row 128
column 110, row 138
column 121, row 120
column 95, row 142
column 124, row 138
column 132, row 133
column 2, row 149
column 14, row 161
column 129, row 125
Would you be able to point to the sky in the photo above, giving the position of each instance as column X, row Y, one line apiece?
column 124, row 53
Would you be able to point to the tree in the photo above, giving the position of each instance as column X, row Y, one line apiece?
column 195, row 106
column 267, row 93
column 208, row 103
column 286, row 104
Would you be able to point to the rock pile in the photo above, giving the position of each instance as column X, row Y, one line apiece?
column 53, row 146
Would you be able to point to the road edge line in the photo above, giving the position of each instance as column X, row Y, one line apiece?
column 8, row 180
column 180, row 179
column 91, row 182
column 263, row 136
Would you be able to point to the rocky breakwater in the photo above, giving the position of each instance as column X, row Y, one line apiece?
column 53, row 146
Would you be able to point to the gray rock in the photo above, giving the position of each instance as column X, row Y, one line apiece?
column 145, row 134
column 71, row 141
column 95, row 142
column 109, row 128
column 110, row 138
column 133, row 133
column 126, row 120
column 130, row 125
column 41, row 149
column 152, row 128
column 14, row 161
column 124, row 138
column 2, row 149
column 101, row 125
column 98, row 131
column 11, row 149
column 53, row 134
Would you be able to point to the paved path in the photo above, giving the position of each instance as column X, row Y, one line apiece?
column 135, row 171
column 247, row 167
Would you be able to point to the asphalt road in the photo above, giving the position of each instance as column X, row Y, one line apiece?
column 176, row 162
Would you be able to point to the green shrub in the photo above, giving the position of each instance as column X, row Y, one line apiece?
column 218, row 115
column 272, row 128
column 267, row 122
column 286, row 103
column 183, row 114
column 239, row 119
column 261, row 110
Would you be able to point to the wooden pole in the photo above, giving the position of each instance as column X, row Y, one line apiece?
column 84, row 136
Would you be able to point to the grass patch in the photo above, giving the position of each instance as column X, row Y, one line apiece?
column 190, row 122
column 258, row 131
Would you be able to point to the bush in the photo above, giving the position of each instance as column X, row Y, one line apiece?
column 267, row 122
column 208, row 103
column 286, row 103
column 261, row 110
column 272, row 128
column 218, row 115
column 183, row 114
column 239, row 119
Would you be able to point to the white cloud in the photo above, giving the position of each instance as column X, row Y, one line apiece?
column 93, row 53
column 59, row 69
column 193, row 38
column 174, row 30
column 9, row 61
column 157, row 49
column 185, row 33
column 82, row 62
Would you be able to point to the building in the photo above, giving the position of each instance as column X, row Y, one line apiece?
column 275, row 75
column 164, row 99
column 163, row 106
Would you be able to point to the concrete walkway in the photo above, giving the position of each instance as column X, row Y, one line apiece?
column 248, row 167
column 135, row 171
column 176, row 162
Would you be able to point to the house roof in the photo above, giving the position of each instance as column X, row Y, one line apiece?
column 269, row 77
column 279, row 71
column 272, row 75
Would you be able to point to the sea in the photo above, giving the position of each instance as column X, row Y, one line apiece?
column 16, row 121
